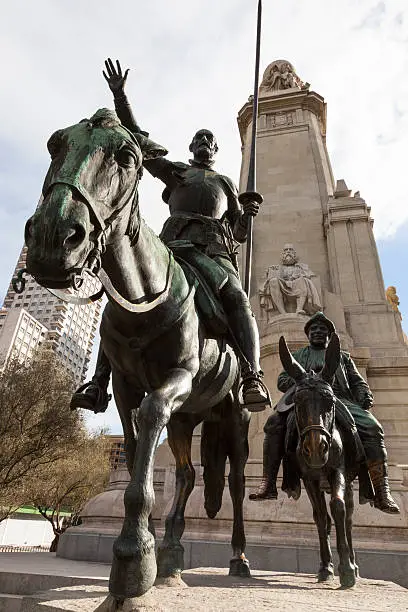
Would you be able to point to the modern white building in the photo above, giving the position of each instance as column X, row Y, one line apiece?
column 68, row 329
column 20, row 334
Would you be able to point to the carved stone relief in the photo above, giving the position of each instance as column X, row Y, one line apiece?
column 280, row 74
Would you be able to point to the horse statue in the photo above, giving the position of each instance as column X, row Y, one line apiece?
column 167, row 369
column 320, row 459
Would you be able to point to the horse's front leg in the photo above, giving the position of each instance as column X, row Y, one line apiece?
column 134, row 564
column 321, row 520
column 338, row 510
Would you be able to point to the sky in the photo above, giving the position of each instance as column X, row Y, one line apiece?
column 191, row 66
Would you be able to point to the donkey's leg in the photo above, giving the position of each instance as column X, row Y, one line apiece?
column 320, row 517
column 170, row 556
column 134, row 564
column 338, row 510
column 349, row 501
column 238, row 451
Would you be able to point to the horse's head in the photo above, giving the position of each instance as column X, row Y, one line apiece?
column 314, row 403
column 90, row 192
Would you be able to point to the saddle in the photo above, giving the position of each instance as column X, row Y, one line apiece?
column 209, row 279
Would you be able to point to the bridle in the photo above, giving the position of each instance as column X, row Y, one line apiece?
column 92, row 265
column 328, row 433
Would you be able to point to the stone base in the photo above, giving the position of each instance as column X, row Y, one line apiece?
column 380, row 564
column 209, row 589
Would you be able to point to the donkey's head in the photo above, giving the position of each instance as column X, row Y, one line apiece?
column 89, row 194
column 314, row 403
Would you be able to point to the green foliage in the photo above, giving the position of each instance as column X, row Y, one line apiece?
column 70, row 482
column 46, row 455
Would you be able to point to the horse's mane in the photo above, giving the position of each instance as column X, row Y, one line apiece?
column 313, row 380
column 105, row 118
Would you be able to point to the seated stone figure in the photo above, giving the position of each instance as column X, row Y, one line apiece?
column 352, row 393
column 289, row 282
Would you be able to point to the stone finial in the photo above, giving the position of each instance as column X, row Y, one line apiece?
column 342, row 191
column 280, row 74
column 393, row 299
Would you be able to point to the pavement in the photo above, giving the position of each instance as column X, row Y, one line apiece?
column 204, row 589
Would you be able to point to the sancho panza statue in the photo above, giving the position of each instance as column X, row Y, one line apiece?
column 289, row 288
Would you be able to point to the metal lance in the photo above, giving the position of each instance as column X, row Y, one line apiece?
column 251, row 194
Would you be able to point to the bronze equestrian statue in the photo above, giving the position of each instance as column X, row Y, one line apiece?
column 353, row 397
column 205, row 225
column 321, row 455
column 171, row 365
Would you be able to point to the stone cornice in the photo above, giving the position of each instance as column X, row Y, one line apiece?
column 283, row 101
column 388, row 366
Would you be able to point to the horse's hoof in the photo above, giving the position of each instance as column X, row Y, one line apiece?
column 326, row 574
column 175, row 581
column 110, row 604
column 132, row 577
column 170, row 561
column 347, row 578
column 148, row 602
column 239, row 566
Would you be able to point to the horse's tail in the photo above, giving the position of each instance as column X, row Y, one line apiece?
column 214, row 454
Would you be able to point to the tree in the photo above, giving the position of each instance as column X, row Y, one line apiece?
column 70, row 482
column 36, row 425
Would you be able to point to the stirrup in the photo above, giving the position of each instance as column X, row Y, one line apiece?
column 85, row 401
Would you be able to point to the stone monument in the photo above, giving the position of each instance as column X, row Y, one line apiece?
column 331, row 230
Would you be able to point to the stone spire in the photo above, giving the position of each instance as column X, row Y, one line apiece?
column 279, row 75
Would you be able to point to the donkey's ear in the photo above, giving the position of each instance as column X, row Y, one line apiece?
column 332, row 358
column 291, row 366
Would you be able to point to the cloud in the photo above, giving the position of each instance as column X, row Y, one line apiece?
column 374, row 17
column 192, row 66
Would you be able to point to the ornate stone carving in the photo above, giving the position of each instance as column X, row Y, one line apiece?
column 393, row 299
column 280, row 119
column 289, row 288
column 281, row 75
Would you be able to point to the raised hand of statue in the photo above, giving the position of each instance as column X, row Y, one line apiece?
column 114, row 77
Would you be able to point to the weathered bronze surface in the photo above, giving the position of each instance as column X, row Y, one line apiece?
column 320, row 457
column 167, row 369
column 205, row 227
column 321, row 431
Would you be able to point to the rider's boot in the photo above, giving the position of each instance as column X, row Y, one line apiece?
column 254, row 393
column 379, row 476
column 244, row 332
column 94, row 394
column 271, row 462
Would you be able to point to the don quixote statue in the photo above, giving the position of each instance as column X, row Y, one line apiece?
column 177, row 333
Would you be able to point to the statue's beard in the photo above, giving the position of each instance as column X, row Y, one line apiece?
column 289, row 260
column 204, row 154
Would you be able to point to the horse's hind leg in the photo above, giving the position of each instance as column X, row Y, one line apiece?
column 349, row 501
column 170, row 555
column 322, row 521
column 237, row 435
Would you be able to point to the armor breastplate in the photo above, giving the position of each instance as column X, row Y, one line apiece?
column 198, row 191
